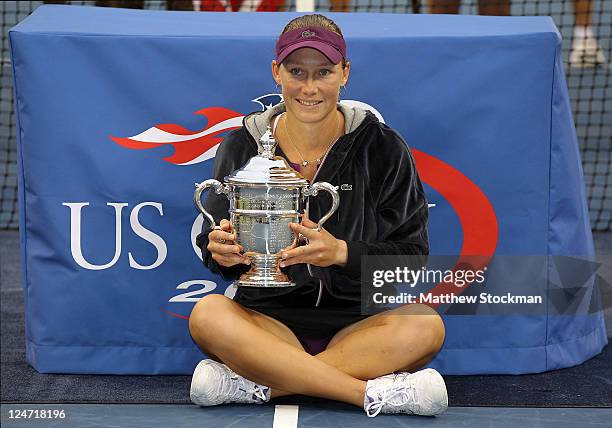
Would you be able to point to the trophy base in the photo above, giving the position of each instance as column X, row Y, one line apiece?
column 264, row 272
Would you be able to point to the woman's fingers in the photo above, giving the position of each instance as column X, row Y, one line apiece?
column 222, row 245
column 221, row 237
column 229, row 260
column 222, row 233
column 303, row 254
column 308, row 232
column 309, row 223
column 322, row 248
column 228, row 248
column 300, row 254
column 226, row 225
column 227, row 254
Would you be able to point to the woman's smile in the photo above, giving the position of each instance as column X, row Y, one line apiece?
column 308, row 103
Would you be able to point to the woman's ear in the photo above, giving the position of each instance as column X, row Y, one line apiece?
column 276, row 72
column 345, row 73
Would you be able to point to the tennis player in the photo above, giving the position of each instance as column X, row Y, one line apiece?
column 313, row 339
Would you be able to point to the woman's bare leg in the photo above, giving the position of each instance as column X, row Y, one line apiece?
column 402, row 339
column 582, row 10
column 235, row 335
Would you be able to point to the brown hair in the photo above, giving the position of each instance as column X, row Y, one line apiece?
column 314, row 20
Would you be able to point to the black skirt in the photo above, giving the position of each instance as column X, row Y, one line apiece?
column 314, row 321
column 303, row 316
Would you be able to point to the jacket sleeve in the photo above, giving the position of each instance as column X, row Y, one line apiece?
column 401, row 206
column 233, row 152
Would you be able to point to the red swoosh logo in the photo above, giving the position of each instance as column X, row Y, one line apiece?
column 475, row 212
column 189, row 146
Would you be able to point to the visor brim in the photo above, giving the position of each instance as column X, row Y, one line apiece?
column 329, row 51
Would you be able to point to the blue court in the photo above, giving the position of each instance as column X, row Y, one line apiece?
column 337, row 416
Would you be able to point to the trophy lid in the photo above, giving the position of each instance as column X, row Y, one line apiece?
column 267, row 169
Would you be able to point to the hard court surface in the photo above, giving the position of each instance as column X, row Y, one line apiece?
column 284, row 416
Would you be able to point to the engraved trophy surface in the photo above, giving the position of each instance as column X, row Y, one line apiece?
column 265, row 195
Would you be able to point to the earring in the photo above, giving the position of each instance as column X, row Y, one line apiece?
column 278, row 88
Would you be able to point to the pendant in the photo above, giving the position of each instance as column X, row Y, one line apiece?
column 305, row 163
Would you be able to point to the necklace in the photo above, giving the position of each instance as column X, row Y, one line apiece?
column 317, row 161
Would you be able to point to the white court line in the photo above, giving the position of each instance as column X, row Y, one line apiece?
column 285, row 416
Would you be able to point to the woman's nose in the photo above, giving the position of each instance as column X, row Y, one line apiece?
column 310, row 86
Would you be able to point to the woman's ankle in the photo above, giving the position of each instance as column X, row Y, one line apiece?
column 276, row 393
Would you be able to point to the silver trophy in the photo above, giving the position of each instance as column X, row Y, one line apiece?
column 265, row 195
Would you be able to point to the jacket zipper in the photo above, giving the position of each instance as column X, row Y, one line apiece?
column 318, row 302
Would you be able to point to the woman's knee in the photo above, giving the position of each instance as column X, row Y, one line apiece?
column 423, row 327
column 435, row 332
column 210, row 315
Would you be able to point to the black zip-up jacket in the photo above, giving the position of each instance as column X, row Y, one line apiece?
column 383, row 210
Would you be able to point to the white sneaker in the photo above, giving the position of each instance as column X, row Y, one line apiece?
column 421, row 393
column 214, row 383
column 586, row 53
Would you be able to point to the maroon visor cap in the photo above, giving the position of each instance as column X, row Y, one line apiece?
column 327, row 42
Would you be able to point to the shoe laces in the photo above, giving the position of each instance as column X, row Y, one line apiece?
column 239, row 386
column 392, row 395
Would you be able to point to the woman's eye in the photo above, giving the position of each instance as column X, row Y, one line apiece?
column 324, row 72
column 296, row 71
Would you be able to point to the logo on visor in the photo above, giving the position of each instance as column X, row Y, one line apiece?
column 308, row 33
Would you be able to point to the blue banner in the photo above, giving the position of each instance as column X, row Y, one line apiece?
column 120, row 113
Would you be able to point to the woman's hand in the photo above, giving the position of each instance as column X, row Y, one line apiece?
column 322, row 249
column 222, row 247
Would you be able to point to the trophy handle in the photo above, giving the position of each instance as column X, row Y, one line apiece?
column 314, row 191
column 197, row 197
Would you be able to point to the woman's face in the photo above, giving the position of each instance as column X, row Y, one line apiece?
column 311, row 84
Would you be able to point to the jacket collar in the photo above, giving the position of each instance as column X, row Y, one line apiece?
column 257, row 123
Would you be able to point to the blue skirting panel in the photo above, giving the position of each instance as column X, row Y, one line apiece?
column 120, row 112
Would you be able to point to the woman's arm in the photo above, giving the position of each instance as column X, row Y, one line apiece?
column 401, row 208
column 401, row 215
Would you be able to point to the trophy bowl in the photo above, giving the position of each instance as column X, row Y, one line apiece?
column 265, row 195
